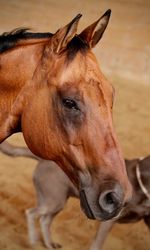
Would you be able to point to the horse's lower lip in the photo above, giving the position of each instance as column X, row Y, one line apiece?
column 105, row 216
column 109, row 216
column 85, row 206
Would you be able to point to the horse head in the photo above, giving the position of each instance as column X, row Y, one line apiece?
column 68, row 118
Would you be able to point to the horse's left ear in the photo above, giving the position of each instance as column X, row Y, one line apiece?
column 64, row 35
column 93, row 33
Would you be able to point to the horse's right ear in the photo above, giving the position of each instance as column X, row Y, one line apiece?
column 64, row 35
column 94, row 32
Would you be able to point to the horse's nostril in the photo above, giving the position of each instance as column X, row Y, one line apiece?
column 110, row 202
column 110, row 198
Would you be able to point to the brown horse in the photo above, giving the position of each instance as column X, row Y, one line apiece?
column 52, row 90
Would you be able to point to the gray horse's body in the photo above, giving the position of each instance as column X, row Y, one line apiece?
column 53, row 188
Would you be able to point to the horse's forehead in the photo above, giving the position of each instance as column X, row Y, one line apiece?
column 82, row 76
column 82, row 68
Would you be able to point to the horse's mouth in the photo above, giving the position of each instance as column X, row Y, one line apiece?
column 85, row 205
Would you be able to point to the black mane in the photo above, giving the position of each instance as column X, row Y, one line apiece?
column 8, row 40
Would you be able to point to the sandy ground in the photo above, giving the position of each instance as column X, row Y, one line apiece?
column 131, row 115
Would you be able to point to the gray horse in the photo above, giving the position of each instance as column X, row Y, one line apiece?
column 53, row 188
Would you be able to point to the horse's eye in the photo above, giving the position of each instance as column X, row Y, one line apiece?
column 70, row 104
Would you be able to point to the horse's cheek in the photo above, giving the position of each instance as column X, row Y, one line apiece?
column 40, row 130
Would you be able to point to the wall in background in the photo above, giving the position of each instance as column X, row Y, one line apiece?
column 125, row 47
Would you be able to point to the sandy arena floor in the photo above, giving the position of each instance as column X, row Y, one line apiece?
column 131, row 115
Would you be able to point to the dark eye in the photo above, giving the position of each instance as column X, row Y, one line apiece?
column 70, row 104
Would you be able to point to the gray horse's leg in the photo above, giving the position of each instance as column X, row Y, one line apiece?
column 101, row 235
column 32, row 214
column 45, row 222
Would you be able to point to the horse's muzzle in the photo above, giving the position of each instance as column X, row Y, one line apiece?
column 107, row 206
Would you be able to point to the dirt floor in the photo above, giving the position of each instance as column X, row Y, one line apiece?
column 131, row 116
column 71, row 228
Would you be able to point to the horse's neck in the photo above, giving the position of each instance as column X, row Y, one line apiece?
column 16, row 69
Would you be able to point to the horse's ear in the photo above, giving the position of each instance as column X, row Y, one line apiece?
column 64, row 35
column 93, row 33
